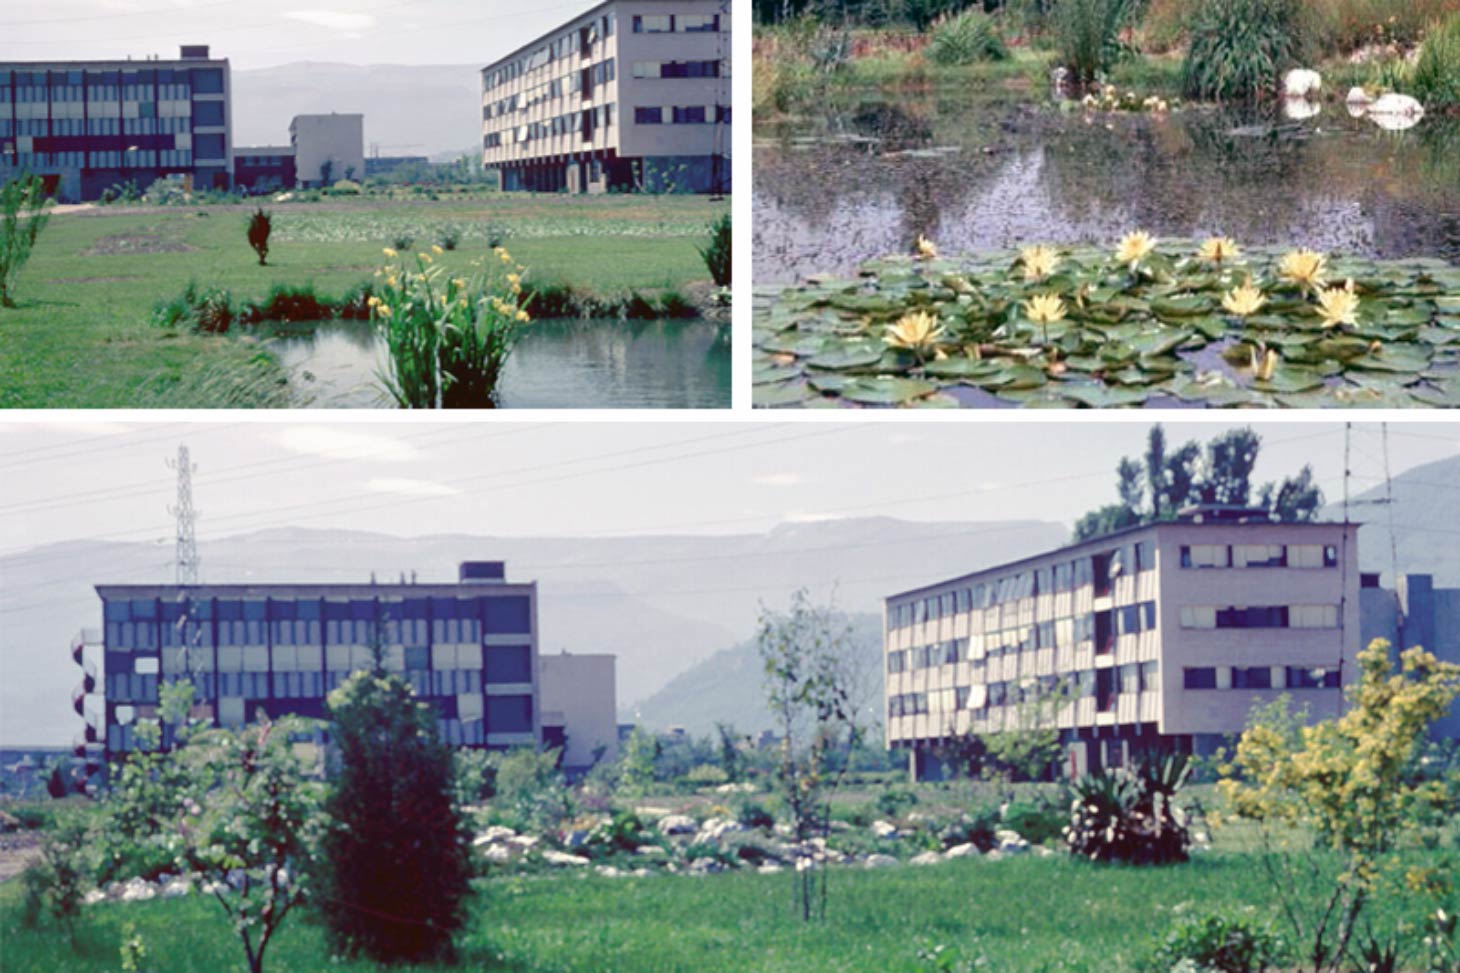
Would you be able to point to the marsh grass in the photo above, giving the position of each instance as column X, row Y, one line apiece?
column 967, row 38
column 1240, row 48
column 1436, row 77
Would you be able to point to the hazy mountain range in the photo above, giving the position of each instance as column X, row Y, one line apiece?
column 676, row 610
column 430, row 110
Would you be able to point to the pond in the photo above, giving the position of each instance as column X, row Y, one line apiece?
column 861, row 175
column 558, row 364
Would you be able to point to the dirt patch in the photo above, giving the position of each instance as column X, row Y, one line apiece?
column 91, row 280
column 128, row 243
column 17, row 851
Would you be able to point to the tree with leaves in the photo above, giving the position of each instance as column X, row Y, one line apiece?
column 811, row 691
column 22, row 218
column 1230, row 460
column 260, row 224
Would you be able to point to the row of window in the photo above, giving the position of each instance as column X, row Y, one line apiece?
column 1259, row 556
column 1099, row 627
column 1260, row 616
column 72, row 77
column 263, row 160
column 579, row 40
column 1104, row 685
column 1260, row 677
column 676, row 23
column 1052, row 579
column 677, row 69
column 680, row 115
column 498, row 614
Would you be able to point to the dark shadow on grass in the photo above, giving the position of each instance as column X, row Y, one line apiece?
column 25, row 305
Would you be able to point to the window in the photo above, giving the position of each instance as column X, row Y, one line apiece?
column 511, row 615
column 508, row 663
column 509, row 714
column 1260, row 555
column 1149, row 680
column 1313, row 616
column 1199, row 678
column 1206, row 556
column 896, row 661
column 1198, row 616
column 208, row 146
column 1312, row 677
column 1145, row 556
column 1130, row 678
column 1256, row 616
column 653, row 24
column 1251, row 677
column 698, row 23
column 207, row 81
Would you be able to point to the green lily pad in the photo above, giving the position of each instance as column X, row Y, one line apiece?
column 882, row 390
column 856, row 354
column 784, row 394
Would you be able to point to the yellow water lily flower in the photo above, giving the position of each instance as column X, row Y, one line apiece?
column 1339, row 305
column 436, row 249
column 1045, row 309
column 925, row 249
column 1039, row 262
column 1135, row 247
column 1219, row 249
column 1244, row 301
column 1304, row 267
column 914, row 332
column 1265, row 364
column 390, row 253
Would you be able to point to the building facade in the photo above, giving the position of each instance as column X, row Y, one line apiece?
column 631, row 94
column 328, row 148
column 469, row 649
column 264, row 168
column 1417, row 612
column 579, row 708
column 85, row 126
column 1159, row 637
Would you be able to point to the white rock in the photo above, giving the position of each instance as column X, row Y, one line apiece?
column 884, row 829
column 1399, row 105
column 554, row 857
column 1302, row 83
column 926, row 858
column 138, row 890
column 493, row 835
column 651, row 850
column 994, row 855
column 715, row 828
column 1042, row 852
column 769, row 868
column 968, row 850
column 176, row 888
column 523, row 841
column 93, row 897
column 1300, row 110
column 879, row 861
column 677, row 824
column 1358, row 96
column 498, row 854
column 608, row 871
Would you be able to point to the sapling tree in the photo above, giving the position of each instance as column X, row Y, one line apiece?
column 260, row 224
column 811, row 689
column 22, row 218
column 1338, row 802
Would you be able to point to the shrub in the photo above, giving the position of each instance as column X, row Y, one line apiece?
column 1087, row 35
column 402, row 241
column 260, row 224
column 495, row 234
column 448, row 337
column 449, row 237
column 976, row 827
column 290, row 303
column 967, row 38
column 54, row 883
column 753, row 814
column 1219, row 943
column 1130, row 815
column 923, row 13
column 706, row 775
column 22, row 218
column 208, row 310
column 673, row 304
column 1436, row 76
column 894, row 800
column 716, row 253
column 528, row 789
column 1239, row 48
column 622, row 833
column 345, row 187
column 396, row 862
column 1036, row 821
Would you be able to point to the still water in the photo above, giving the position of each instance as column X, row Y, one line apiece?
column 558, row 364
column 862, row 175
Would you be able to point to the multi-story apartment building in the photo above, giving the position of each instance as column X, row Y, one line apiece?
column 468, row 648
column 1158, row 637
column 632, row 93
column 85, row 126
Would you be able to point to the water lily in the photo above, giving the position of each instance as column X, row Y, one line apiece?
column 925, row 249
column 1220, row 249
column 1264, row 363
column 1304, row 267
column 1135, row 247
column 1043, row 309
column 1244, row 301
column 1339, row 305
column 1039, row 262
column 915, row 332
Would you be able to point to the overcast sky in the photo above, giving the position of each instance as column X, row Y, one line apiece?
column 110, row 480
column 263, row 33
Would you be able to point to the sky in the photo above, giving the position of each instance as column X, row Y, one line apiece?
column 265, row 33
column 69, row 480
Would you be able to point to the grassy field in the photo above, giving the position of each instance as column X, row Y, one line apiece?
column 82, row 337
column 1025, row 914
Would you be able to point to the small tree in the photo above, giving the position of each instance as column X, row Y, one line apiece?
column 1354, row 783
column 396, row 862
column 260, row 224
column 717, row 252
column 22, row 218
column 810, row 687
column 54, row 883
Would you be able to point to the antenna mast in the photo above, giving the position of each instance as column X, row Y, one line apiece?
column 187, row 540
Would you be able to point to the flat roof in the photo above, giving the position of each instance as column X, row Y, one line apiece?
column 1105, row 539
column 318, row 590
column 544, row 36
column 116, row 62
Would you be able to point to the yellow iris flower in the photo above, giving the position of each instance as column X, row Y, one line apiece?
column 915, row 332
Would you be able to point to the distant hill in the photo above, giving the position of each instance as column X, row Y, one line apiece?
column 429, row 110
column 728, row 687
column 1424, row 497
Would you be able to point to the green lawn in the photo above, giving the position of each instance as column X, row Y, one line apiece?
column 1023, row 915
column 81, row 336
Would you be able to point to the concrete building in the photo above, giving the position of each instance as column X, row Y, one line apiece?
column 632, row 93
column 579, row 708
column 468, row 648
column 328, row 148
column 85, row 126
column 264, row 168
column 1163, row 636
column 1416, row 613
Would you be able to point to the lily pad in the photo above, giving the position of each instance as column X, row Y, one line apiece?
column 882, row 390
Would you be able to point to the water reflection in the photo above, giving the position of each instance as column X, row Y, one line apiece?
column 558, row 364
column 864, row 176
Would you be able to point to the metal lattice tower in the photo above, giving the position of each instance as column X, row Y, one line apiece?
column 187, row 540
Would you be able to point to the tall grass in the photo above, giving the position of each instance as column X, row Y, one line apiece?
column 716, row 253
column 967, row 38
column 1239, row 48
column 1436, row 77
column 1088, row 35
column 1340, row 26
